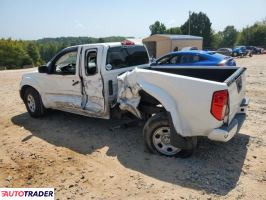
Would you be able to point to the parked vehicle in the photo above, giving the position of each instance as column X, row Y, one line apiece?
column 189, row 48
column 112, row 80
column 194, row 58
column 225, row 51
column 255, row 50
column 241, row 51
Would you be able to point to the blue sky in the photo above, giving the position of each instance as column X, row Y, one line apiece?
column 34, row 19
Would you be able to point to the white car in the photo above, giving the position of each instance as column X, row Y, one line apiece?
column 114, row 79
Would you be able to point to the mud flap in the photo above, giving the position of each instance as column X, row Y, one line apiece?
column 177, row 140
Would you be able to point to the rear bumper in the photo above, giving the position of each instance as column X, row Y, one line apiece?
column 227, row 132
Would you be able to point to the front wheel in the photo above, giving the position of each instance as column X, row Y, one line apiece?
column 33, row 103
column 157, row 137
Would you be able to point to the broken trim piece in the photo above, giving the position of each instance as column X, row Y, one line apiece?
column 128, row 95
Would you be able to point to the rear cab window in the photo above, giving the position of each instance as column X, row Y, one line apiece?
column 126, row 56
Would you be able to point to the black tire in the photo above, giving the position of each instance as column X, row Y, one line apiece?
column 156, row 122
column 31, row 95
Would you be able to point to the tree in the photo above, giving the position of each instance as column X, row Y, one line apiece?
column 13, row 55
column 174, row 30
column 157, row 28
column 217, row 39
column 229, row 36
column 34, row 53
column 254, row 35
column 200, row 25
column 101, row 40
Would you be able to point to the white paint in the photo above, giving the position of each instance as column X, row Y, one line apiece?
column 187, row 99
column 223, row 135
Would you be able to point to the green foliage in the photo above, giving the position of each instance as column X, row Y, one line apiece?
column 34, row 53
column 157, row 28
column 229, row 36
column 174, row 30
column 254, row 35
column 217, row 39
column 13, row 54
column 200, row 25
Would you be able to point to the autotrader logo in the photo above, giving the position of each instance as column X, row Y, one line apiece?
column 26, row 193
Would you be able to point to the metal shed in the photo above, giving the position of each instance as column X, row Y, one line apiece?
column 161, row 44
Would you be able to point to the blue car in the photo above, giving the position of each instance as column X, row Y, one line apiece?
column 241, row 51
column 194, row 58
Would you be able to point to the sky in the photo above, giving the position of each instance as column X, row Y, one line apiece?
column 35, row 19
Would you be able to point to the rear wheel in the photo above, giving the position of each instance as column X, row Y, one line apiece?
column 157, row 137
column 33, row 103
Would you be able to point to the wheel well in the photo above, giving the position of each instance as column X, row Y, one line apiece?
column 148, row 104
column 23, row 90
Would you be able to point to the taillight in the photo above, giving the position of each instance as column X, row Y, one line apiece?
column 222, row 63
column 219, row 104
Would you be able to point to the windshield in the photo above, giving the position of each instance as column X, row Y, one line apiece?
column 127, row 56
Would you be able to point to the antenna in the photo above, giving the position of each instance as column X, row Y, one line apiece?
column 189, row 13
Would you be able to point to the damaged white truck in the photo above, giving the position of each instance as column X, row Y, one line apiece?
column 112, row 80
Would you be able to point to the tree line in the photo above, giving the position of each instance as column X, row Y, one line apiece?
column 16, row 54
column 200, row 25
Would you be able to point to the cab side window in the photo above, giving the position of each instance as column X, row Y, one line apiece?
column 66, row 64
column 91, row 62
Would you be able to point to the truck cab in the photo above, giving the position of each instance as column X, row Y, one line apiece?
column 83, row 79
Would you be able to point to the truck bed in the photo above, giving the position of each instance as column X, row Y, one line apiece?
column 218, row 74
column 187, row 99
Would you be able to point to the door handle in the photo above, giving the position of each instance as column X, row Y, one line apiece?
column 74, row 83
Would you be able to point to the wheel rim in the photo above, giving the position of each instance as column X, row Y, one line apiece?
column 31, row 103
column 161, row 141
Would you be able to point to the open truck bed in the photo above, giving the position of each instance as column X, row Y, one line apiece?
column 187, row 94
column 219, row 74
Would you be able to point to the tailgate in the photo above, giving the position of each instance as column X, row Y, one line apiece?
column 236, row 87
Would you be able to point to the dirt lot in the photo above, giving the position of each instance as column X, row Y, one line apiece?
column 82, row 159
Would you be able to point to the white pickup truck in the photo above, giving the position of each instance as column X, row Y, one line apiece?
column 112, row 80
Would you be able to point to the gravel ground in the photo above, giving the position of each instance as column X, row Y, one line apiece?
column 82, row 159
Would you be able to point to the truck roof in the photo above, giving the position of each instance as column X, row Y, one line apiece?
column 108, row 44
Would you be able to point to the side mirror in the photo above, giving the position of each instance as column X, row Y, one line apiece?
column 43, row 69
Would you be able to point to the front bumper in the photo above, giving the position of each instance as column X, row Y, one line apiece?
column 226, row 132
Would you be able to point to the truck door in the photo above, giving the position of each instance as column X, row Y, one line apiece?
column 60, row 85
column 92, row 102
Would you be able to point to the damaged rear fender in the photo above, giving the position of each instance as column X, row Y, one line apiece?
column 131, row 83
